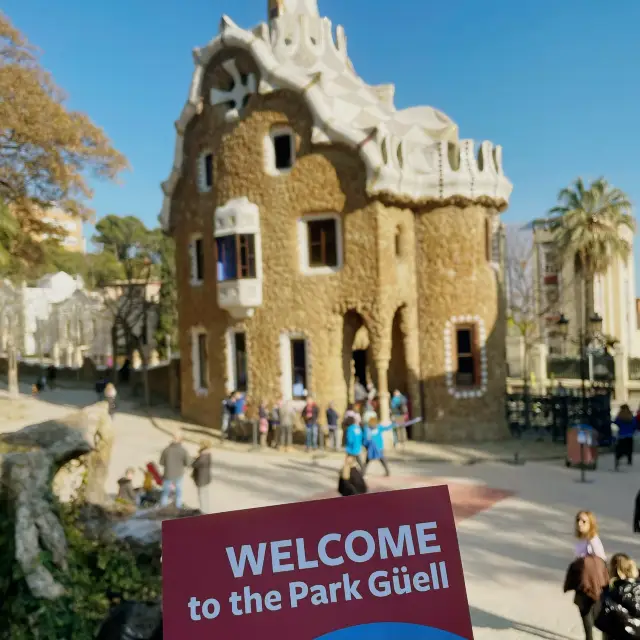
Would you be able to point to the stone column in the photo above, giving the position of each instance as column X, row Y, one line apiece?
column 69, row 356
column 539, row 355
column 55, row 354
column 621, row 362
column 382, row 367
column 78, row 357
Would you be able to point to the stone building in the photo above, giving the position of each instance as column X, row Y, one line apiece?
column 322, row 234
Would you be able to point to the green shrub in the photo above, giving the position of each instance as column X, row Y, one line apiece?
column 95, row 568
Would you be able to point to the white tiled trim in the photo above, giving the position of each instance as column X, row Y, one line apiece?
column 195, row 360
column 270, row 151
column 449, row 329
column 303, row 244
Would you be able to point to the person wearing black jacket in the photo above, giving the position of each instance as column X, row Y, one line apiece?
column 618, row 611
column 351, row 481
column 202, row 475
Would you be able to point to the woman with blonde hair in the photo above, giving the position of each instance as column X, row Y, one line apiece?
column 351, row 481
column 587, row 575
column 618, row 615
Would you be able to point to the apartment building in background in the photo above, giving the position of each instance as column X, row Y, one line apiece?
column 74, row 239
column 560, row 290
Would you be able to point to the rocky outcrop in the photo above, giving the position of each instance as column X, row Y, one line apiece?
column 29, row 460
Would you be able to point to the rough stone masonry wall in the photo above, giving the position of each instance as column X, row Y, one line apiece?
column 323, row 180
column 455, row 279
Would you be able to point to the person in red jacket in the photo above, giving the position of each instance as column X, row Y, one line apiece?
column 310, row 418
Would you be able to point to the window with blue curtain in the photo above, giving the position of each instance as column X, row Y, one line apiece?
column 227, row 258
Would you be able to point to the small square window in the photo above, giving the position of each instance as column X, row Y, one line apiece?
column 236, row 259
column 467, row 357
column 322, row 243
column 283, row 151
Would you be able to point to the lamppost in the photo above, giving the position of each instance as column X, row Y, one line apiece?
column 585, row 338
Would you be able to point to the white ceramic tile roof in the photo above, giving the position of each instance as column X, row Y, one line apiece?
column 414, row 153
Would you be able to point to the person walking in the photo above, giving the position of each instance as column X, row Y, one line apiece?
column 398, row 415
column 310, row 416
column 618, row 612
column 263, row 423
column 274, row 425
column 332, row 425
column 202, row 476
column 52, row 374
column 587, row 575
column 228, row 415
column 374, row 443
column 175, row 461
column 354, row 439
column 287, row 418
column 627, row 425
column 110, row 395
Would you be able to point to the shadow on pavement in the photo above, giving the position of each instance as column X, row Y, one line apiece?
column 487, row 620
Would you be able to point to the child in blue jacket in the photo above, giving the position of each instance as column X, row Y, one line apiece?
column 374, row 442
column 354, row 441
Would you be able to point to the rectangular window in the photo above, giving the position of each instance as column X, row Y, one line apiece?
column 488, row 235
column 208, row 170
column 197, row 260
column 299, row 367
column 323, row 245
column 236, row 257
column 467, row 357
column 239, row 346
column 283, row 150
column 202, row 366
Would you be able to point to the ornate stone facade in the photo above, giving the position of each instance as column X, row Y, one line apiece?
column 322, row 234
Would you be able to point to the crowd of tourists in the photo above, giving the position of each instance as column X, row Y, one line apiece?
column 274, row 423
column 607, row 593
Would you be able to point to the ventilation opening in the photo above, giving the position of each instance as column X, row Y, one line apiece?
column 283, row 149
column 398, row 242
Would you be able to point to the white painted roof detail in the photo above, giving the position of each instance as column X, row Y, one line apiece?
column 414, row 153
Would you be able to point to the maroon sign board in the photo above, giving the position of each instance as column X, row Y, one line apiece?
column 378, row 566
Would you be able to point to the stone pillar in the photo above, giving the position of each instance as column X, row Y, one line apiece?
column 55, row 354
column 136, row 363
column 621, row 362
column 538, row 356
column 78, row 357
column 68, row 356
column 154, row 358
column 382, row 367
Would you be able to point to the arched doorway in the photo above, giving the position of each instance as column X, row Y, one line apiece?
column 356, row 353
column 398, row 370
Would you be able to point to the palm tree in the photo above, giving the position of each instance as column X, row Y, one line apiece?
column 591, row 227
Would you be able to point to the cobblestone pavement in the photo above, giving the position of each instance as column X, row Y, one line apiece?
column 514, row 522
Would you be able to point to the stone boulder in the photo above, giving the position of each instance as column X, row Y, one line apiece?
column 29, row 460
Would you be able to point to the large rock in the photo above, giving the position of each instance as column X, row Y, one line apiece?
column 32, row 457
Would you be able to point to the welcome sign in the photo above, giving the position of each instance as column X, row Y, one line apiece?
column 377, row 566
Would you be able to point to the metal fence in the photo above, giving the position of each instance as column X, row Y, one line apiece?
column 548, row 417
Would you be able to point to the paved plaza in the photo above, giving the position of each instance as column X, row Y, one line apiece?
column 514, row 522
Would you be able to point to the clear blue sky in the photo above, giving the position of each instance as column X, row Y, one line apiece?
column 556, row 82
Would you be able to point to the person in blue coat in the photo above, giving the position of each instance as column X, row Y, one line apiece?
column 354, row 441
column 374, row 442
column 627, row 425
